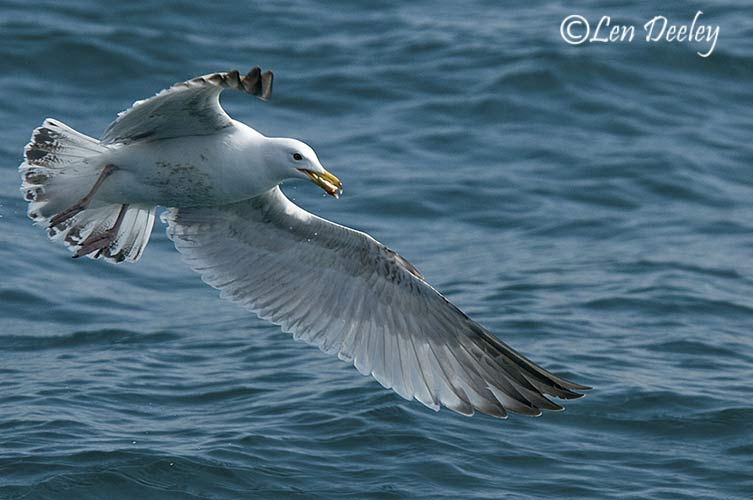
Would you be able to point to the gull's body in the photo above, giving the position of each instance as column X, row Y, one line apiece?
column 326, row 284
column 204, row 170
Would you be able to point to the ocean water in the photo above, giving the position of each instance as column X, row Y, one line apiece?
column 590, row 204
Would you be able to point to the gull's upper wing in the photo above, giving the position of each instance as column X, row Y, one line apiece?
column 187, row 108
column 345, row 292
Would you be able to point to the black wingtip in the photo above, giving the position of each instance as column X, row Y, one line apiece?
column 577, row 387
column 252, row 81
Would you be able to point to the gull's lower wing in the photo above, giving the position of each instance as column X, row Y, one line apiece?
column 187, row 108
column 348, row 294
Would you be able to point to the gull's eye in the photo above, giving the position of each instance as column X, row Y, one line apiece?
column 297, row 156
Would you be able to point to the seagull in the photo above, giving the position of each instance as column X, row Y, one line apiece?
column 326, row 284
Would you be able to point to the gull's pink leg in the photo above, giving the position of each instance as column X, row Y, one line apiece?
column 102, row 240
column 83, row 203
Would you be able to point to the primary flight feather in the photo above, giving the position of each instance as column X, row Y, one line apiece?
column 328, row 285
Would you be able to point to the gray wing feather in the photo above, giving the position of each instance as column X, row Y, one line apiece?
column 187, row 108
column 345, row 292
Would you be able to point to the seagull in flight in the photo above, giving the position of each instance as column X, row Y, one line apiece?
column 324, row 283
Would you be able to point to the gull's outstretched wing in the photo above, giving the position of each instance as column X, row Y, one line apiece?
column 187, row 108
column 345, row 292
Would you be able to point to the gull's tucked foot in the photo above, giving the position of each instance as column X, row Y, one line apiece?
column 63, row 216
column 95, row 242
column 99, row 242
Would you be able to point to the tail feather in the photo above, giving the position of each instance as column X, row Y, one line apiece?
column 133, row 235
column 60, row 167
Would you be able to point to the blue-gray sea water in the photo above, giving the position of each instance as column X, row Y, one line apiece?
column 590, row 204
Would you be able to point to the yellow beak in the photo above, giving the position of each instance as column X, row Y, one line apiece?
column 328, row 182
